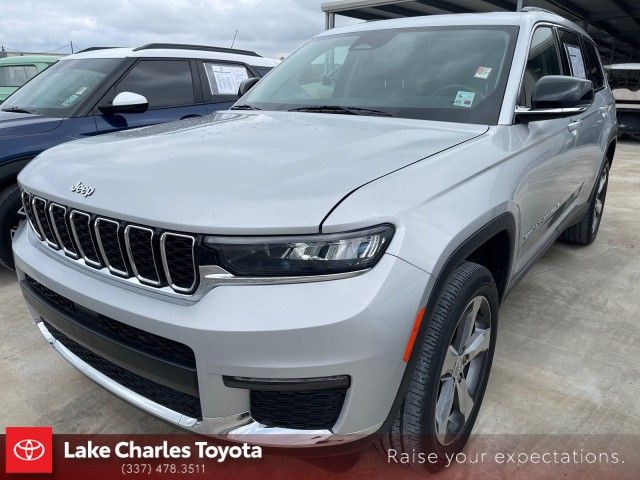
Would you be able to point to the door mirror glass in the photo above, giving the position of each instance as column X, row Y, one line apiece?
column 127, row 102
column 247, row 85
column 557, row 96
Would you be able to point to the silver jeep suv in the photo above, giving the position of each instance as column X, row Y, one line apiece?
column 327, row 258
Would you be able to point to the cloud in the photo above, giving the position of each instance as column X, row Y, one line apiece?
column 271, row 27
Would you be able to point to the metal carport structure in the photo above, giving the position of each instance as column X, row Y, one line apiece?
column 613, row 24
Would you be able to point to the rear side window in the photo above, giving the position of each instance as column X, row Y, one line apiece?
column 594, row 67
column 543, row 60
column 165, row 83
column 574, row 58
column 16, row 75
column 225, row 78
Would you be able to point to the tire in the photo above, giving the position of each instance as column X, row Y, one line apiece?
column 586, row 231
column 10, row 216
column 415, row 428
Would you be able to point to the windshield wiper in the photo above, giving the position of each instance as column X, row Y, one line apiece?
column 341, row 110
column 18, row 110
column 246, row 106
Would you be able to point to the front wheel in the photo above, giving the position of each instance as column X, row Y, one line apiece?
column 11, row 215
column 454, row 361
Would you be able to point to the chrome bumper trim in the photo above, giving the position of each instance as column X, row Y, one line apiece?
column 241, row 427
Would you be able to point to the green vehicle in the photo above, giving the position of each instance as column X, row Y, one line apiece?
column 16, row 71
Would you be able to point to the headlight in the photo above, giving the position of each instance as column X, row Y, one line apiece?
column 301, row 255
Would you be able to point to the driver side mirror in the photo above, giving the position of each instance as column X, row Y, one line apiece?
column 557, row 96
column 247, row 85
column 126, row 102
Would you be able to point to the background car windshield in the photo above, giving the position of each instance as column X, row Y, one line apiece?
column 625, row 78
column 16, row 75
column 451, row 74
column 59, row 90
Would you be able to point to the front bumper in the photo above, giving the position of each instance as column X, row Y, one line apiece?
column 356, row 327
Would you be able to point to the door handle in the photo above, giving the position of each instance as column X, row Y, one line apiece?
column 573, row 126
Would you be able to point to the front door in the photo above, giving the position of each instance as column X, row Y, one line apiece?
column 548, row 186
column 168, row 85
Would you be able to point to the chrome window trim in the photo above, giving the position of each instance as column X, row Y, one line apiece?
column 37, row 217
column 165, row 264
column 136, row 273
column 86, row 259
column 548, row 111
column 54, row 227
column 26, row 198
column 111, row 268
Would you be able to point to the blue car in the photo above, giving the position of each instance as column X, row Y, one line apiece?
column 104, row 90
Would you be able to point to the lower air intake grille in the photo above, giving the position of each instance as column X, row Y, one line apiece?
column 172, row 399
column 160, row 347
column 309, row 410
column 51, row 296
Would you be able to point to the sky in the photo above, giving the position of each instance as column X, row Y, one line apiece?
column 273, row 28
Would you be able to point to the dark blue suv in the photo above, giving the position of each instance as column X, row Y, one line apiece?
column 104, row 90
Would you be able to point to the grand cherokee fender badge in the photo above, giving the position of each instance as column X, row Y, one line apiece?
column 83, row 189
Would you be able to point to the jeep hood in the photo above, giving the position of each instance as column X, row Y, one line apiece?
column 18, row 124
column 237, row 172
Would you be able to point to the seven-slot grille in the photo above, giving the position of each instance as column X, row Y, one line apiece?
column 125, row 250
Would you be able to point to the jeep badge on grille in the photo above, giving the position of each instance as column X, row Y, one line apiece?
column 83, row 189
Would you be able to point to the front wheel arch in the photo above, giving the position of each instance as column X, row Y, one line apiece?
column 505, row 222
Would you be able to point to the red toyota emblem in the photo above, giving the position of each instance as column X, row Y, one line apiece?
column 29, row 450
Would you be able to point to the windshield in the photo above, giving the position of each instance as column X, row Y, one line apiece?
column 455, row 74
column 16, row 75
column 59, row 90
column 627, row 78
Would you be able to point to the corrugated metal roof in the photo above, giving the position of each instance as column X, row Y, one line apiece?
column 613, row 24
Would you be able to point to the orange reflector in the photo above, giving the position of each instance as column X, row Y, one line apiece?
column 414, row 334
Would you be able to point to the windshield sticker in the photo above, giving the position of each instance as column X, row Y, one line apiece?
column 70, row 100
column 81, row 91
column 483, row 72
column 464, row 99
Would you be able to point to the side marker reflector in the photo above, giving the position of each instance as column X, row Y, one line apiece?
column 414, row 334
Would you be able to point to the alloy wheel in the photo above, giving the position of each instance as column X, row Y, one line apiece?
column 600, row 198
column 463, row 370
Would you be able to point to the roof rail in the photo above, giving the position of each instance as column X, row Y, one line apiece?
column 206, row 48
column 536, row 9
column 93, row 49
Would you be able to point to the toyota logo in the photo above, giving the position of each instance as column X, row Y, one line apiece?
column 29, row 450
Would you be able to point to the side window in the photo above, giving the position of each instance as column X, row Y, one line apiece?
column 594, row 67
column 225, row 78
column 262, row 71
column 543, row 60
column 165, row 83
column 16, row 75
column 574, row 59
